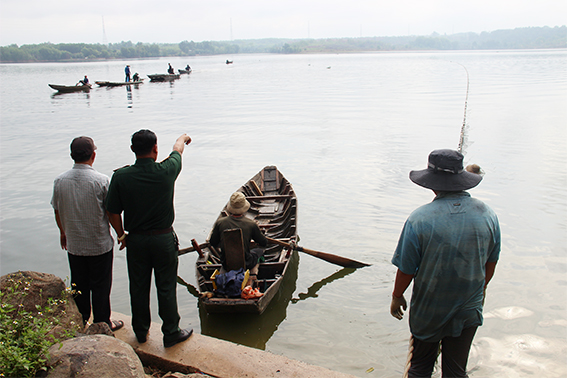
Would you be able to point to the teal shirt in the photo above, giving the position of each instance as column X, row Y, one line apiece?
column 144, row 191
column 446, row 245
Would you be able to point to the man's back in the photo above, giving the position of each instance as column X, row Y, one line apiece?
column 78, row 196
column 456, row 236
column 144, row 191
column 250, row 231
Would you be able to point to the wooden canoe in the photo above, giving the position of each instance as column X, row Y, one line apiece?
column 164, row 77
column 273, row 205
column 118, row 83
column 71, row 88
column 181, row 72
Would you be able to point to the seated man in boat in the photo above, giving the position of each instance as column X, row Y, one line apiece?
column 237, row 207
column 170, row 69
column 136, row 77
column 187, row 68
column 85, row 81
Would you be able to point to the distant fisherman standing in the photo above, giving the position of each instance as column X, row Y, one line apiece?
column 127, row 72
column 449, row 248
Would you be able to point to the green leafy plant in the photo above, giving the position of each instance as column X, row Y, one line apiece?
column 24, row 335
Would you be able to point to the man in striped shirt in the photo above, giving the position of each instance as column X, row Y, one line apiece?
column 78, row 197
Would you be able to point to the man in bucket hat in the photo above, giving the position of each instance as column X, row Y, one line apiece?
column 449, row 248
column 236, row 208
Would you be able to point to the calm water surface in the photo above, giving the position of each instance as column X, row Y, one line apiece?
column 345, row 130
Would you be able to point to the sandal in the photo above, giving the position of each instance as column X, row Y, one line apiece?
column 115, row 325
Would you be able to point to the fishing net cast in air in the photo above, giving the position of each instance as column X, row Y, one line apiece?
column 463, row 138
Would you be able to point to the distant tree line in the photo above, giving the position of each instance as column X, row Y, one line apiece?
column 519, row 38
column 49, row 52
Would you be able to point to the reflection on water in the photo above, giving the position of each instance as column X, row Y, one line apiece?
column 313, row 289
column 508, row 313
column 129, row 96
column 82, row 94
column 253, row 330
column 520, row 355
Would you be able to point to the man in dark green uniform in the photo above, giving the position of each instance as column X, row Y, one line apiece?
column 144, row 192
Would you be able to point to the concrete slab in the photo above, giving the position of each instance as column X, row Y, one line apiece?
column 216, row 357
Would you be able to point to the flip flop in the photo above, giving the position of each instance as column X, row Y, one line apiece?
column 116, row 325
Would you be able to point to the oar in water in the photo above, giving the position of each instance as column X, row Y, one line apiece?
column 334, row 259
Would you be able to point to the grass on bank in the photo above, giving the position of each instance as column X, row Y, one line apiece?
column 24, row 335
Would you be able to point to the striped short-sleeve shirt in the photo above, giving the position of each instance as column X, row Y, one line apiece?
column 78, row 197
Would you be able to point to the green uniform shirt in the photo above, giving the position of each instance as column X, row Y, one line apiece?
column 144, row 191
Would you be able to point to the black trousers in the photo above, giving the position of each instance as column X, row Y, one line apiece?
column 91, row 278
column 454, row 355
column 157, row 254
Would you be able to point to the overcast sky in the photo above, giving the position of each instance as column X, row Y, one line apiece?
column 172, row 21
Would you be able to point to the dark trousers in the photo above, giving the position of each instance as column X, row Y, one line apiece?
column 157, row 253
column 454, row 355
column 91, row 278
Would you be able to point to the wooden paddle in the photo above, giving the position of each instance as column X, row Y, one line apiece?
column 334, row 259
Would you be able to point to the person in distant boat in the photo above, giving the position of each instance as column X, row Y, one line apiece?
column 127, row 72
column 85, row 81
column 187, row 68
column 144, row 193
column 78, row 196
column 170, row 69
column 236, row 208
column 449, row 248
column 136, row 77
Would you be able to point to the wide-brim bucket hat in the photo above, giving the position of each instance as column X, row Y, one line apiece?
column 237, row 204
column 445, row 173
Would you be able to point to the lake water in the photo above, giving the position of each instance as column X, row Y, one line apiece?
column 345, row 130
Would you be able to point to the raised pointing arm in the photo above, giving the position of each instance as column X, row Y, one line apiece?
column 180, row 143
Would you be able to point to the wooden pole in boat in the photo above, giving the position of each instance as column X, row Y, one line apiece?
column 197, row 248
column 184, row 251
column 256, row 188
column 334, row 259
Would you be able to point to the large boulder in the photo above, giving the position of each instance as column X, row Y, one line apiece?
column 34, row 288
column 94, row 356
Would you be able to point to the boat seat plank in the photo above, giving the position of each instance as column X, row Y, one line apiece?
column 268, row 209
column 208, row 270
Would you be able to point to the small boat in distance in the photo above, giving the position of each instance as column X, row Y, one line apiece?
column 229, row 61
column 273, row 205
column 118, row 83
column 181, row 72
column 70, row 88
column 164, row 77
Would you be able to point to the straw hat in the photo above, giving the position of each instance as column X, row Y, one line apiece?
column 237, row 204
column 445, row 173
